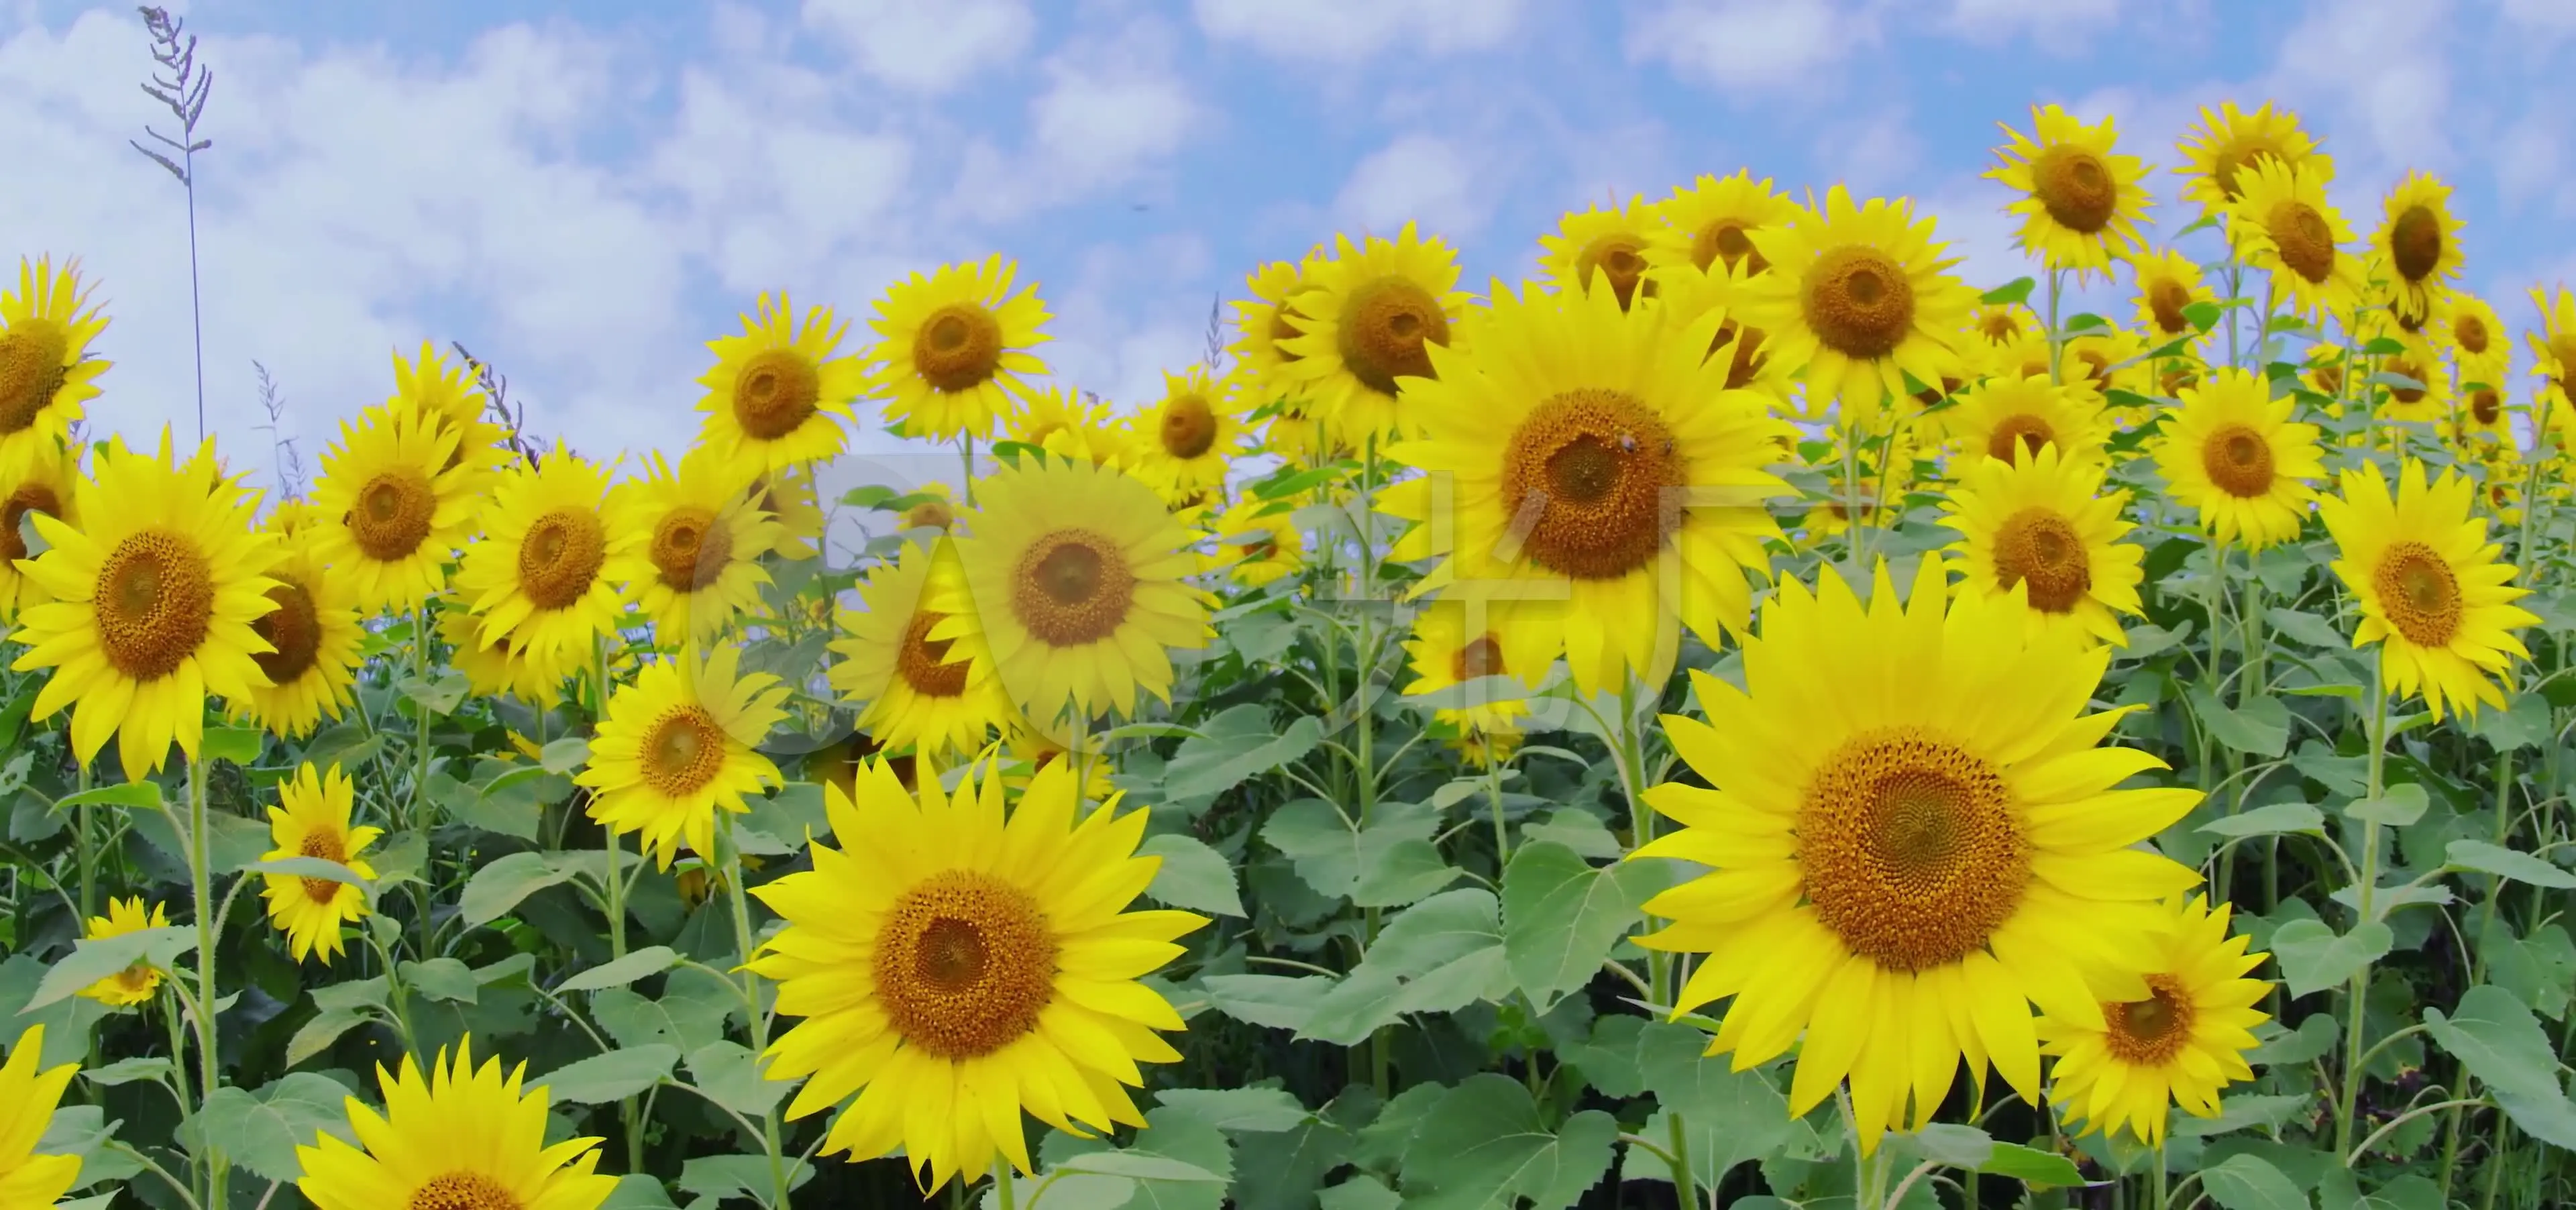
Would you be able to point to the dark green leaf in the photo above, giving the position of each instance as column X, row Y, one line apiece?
column 613, row 1076
column 261, row 1132
column 2313, row 957
column 1561, row 914
column 650, row 960
column 2008, row 293
column 1192, row 876
column 2502, row 1044
column 1484, row 1146
column 2244, row 1182
column 2496, row 859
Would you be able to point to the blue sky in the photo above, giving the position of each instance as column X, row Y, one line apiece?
column 587, row 192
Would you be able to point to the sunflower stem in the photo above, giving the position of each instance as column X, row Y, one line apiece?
column 1003, row 1191
column 2360, row 986
column 2056, row 339
column 420, row 777
column 1685, row 1191
column 755, row 1019
column 966, row 459
column 201, row 890
column 2158, row 1178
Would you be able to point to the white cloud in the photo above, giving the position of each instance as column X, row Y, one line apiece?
column 1110, row 111
column 1870, row 155
column 2061, row 26
column 929, row 48
column 2379, row 65
column 1416, row 178
column 1353, row 30
column 1747, row 44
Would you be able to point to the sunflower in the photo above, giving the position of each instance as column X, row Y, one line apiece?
column 2168, row 284
column 1712, row 223
column 492, row 669
column 316, row 642
column 2482, row 419
column 1456, row 642
column 2002, row 324
column 956, row 965
column 2043, row 526
column 1074, row 581
column 2013, row 411
column 312, row 820
column 955, row 349
column 137, row 982
column 2469, row 328
column 47, row 487
column 1685, row 295
column 461, row 1139
column 450, row 399
column 788, row 497
column 2419, row 241
column 395, row 502
column 1026, row 751
column 46, row 373
column 1262, row 323
column 708, row 536
column 2553, row 347
column 1913, row 838
column 1597, row 460
column 29, row 1178
column 1371, row 315
column 2178, row 1045
column 937, row 696
column 1184, row 440
column 153, row 601
column 2081, row 203
column 775, row 390
column 2232, row 453
column 935, row 509
column 1258, row 543
column 2091, row 355
column 2230, row 140
column 556, row 544
column 1610, row 244
column 2282, row 224
column 1108, row 446
column 1044, row 412
column 1856, row 301
column 2420, row 361
column 2433, row 591
column 679, row 744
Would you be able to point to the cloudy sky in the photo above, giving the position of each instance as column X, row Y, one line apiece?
column 586, row 191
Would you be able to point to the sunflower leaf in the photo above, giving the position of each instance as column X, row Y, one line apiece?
column 261, row 1132
column 2313, row 957
column 2397, row 806
column 240, row 745
column 139, row 795
column 1485, row 1144
column 2245, row 1182
column 2277, row 819
column 498, row 887
column 94, row 959
column 2009, row 293
column 1561, row 914
column 1192, row 876
column 650, row 960
column 614, row 1076
column 2503, row 1045
column 2496, row 859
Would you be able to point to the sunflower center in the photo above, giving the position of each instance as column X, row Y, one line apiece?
column 327, row 846
column 560, row 558
column 29, row 498
column 2415, row 243
column 1384, row 328
column 683, row 751
column 2420, row 594
column 775, row 393
column 1747, row 357
column 2165, row 300
column 2306, row 242
column 964, row 964
column 2238, row 460
column 2031, row 433
column 2149, row 1032
column 2486, row 405
column 1073, row 587
column 1858, row 301
column 958, row 348
column 1189, row 427
column 292, row 628
column 2406, row 368
column 1620, row 259
column 1911, row 849
column 924, row 662
column 1481, row 658
column 929, row 514
column 691, row 548
column 156, row 597
column 2471, row 333
column 2237, row 157
column 31, row 370
column 1999, row 326
column 1725, row 240
column 462, row 1191
column 2040, row 550
column 393, row 514
column 2076, row 189
column 2097, row 367
column 1595, row 464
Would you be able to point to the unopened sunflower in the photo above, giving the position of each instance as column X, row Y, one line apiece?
column 1371, row 314
column 1912, row 838
column 2013, row 412
column 2081, row 203
column 1594, row 462
column 556, row 545
column 2229, row 140
column 394, row 503
column 1184, row 439
column 2178, row 1045
column 776, row 396
column 2168, row 285
column 1258, row 543
column 955, row 348
column 46, row 488
column 1605, row 248
column 2231, row 453
column 1856, row 299
column 46, row 372
column 957, row 964
column 708, row 535
column 29, row 1094
column 2434, row 592
column 2282, row 224
column 316, row 642
column 939, row 697
column 312, row 820
column 2419, row 244
column 152, row 603
column 1711, row 223
column 2041, row 531
column 678, row 745
column 140, row 979
column 464, row 1138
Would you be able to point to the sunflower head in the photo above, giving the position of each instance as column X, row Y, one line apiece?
column 2012, row 413
column 312, row 820
column 707, row 534
column 316, row 640
column 2167, row 284
column 46, row 489
column 2282, row 224
column 953, row 348
column 1855, row 300
column 1369, row 317
column 2553, row 347
column 29, row 1094
column 920, row 688
column 2418, row 243
column 2178, row 1045
column 2041, row 531
column 1258, row 543
column 136, row 983
column 1711, row 224
column 557, row 544
column 2434, row 592
column 448, row 398
column 1605, row 249
column 464, row 1138
column 2080, row 202
column 2229, row 141
column 2232, row 453
column 1184, row 439
column 680, row 744
column 46, row 372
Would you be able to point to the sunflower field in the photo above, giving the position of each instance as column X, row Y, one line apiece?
column 1742, row 719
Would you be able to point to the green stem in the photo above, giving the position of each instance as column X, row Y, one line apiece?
column 1494, row 797
column 201, row 890
column 2363, row 891
column 1685, row 1189
column 1003, row 1191
column 966, row 486
column 420, row 632
column 1382, row 1043
column 1628, row 758
column 756, row 1020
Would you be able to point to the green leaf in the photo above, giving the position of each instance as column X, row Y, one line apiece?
column 730, row 1074
column 1439, row 955
column 1561, row 914
column 650, row 960
column 126, row 1071
column 94, row 959
column 2311, row 1041
column 1239, row 744
column 1192, row 876
column 1483, row 1146
column 2084, row 321
column 1138, row 1166
column 1357, row 1193
column 325, row 1027
column 1075, row 1191
column 240, row 745
column 614, row 1076
column 137, row 795
column 2032, row 1166
column 2237, row 1113
column 315, row 868
column 2278, row 819
column 2258, row 726
column 261, row 1132
column 1271, row 1001
column 1729, row 1117
column 2397, row 806
column 440, row 696
column 564, row 755
column 2539, row 969
column 446, row 979
column 2203, row 315
column 636, row 1191
column 2009, row 293
column 1957, row 1146
column 2313, row 957
column 2502, row 1044
column 2243, row 1182
column 2496, row 859
column 500, row 886
column 721, row 1178
column 1241, row 1110
column 2382, row 346
column 679, row 1020
column 2307, row 628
